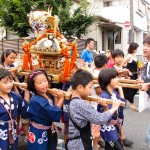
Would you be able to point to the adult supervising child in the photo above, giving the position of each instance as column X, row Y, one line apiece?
column 130, row 62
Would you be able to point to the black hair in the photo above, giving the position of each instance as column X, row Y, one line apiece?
column 6, row 54
column 32, row 75
column 89, row 40
column 5, row 73
column 100, row 60
column 147, row 39
column 117, row 52
column 105, row 77
column 133, row 46
column 81, row 77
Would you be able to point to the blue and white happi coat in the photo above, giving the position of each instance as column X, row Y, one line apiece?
column 42, row 111
column 108, row 131
column 18, row 106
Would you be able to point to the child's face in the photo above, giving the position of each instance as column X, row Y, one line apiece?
column 10, row 59
column 114, row 83
column 41, row 84
column 118, row 60
column 6, row 85
column 108, row 54
column 18, row 56
column 86, row 90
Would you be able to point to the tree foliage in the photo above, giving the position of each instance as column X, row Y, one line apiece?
column 13, row 15
column 77, row 23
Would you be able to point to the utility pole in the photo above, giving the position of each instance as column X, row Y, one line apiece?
column 131, row 32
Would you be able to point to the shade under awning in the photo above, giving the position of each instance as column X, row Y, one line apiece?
column 109, row 26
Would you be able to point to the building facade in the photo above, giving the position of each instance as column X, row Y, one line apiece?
column 113, row 32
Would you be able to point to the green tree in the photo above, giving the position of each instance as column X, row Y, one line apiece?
column 13, row 15
column 70, row 24
column 74, row 24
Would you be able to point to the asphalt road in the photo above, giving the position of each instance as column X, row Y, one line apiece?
column 135, row 127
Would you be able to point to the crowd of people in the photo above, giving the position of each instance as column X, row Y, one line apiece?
column 88, row 125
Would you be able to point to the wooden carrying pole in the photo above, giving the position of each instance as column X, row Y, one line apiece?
column 122, row 82
column 68, row 94
column 127, row 83
column 132, row 86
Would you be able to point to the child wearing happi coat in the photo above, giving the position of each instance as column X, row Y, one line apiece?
column 11, row 106
column 110, row 131
column 118, row 57
column 100, row 62
column 43, row 111
column 81, row 114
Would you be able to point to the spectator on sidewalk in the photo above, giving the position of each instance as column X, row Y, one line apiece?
column 87, row 54
column 130, row 62
column 110, row 63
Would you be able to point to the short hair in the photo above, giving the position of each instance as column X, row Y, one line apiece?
column 147, row 39
column 117, row 52
column 32, row 75
column 105, row 77
column 7, row 53
column 133, row 46
column 89, row 40
column 81, row 77
column 100, row 60
column 5, row 73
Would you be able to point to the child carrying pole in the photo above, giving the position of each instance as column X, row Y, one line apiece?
column 42, row 112
column 11, row 105
column 81, row 114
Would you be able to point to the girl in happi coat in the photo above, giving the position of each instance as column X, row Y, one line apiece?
column 7, row 61
column 42, row 112
column 111, row 131
column 8, row 58
column 11, row 106
column 82, row 114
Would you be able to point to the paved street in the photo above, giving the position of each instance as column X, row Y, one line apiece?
column 135, row 126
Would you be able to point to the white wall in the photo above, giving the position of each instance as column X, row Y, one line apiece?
column 95, row 32
column 2, row 33
column 120, row 14
column 140, row 21
column 115, row 13
column 11, row 36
